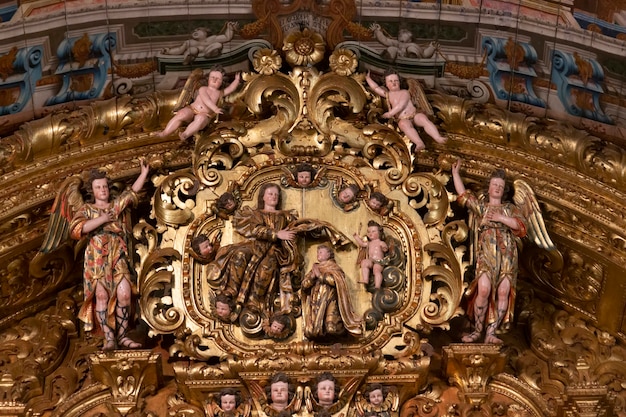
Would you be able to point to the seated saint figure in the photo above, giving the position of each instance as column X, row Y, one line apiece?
column 253, row 271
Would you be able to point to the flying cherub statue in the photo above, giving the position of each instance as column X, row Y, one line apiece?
column 102, row 223
column 409, row 107
column 498, row 225
column 205, row 104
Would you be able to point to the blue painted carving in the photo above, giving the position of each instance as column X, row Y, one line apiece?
column 510, row 83
column 608, row 29
column 21, row 79
column 96, row 65
column 578, row 85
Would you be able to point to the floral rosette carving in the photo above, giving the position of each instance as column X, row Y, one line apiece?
column 343, row 62
column 304, row 48
column 266, row 61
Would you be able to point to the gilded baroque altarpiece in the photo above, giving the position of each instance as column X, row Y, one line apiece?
column 328, row 122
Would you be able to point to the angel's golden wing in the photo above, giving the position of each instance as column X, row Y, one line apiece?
column 258, row 392
column 67, row 201
column 189, row 90
column 524, row 198
column 360, row 403
column 418, row 97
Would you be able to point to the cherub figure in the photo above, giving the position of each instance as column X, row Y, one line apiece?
column 379, row 203
column 326, row 390
column 304, row 174
column 345, row 196
column 404, row 110
column 205, row 105
column 497, row 224
column 107, row 275
column 226, row 205
column 377, row 401
column 403, row 47
column 229, row 404
column 203, row 44
column 204, row 248
column 375, row 250
column 224, row 307
column 280, row 392
column 278, row 326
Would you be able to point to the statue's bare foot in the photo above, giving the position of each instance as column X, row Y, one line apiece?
column 493, row 340
column 472, row 337
column 128, row 343
column 182, row 136
column 441, row 139
column 419, row 145
column 108, row 346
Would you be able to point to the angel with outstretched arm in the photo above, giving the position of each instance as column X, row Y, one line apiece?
column 204, row 107
column 402, row 108
column 498, row 225
column 107, row 279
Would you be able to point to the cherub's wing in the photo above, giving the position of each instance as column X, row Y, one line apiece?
column 67, row 201
column 526, row 201
column 258, row 392
column 191, row 86
column 296, row 403
column 360, row 404
column 418, row 97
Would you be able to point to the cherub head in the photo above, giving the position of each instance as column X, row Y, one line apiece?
column 216, row 77
column 223, row 307
column 200, row 34
column 405, row 35
column 392, row 80
column 278, row 324
column 279, row 391
column 348, row 194
column 374, row 231
column 374, row 394
column 305, row 173
column 202, row 245
column 326, row 389
column 229, row 399
column 377, row 201
column 226, row 202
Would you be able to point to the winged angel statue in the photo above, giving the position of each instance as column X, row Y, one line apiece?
column 497, row 226
column 102, row 226
column 409, row 107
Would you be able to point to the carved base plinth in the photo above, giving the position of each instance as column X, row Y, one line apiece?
column 130, row 374
column 470, row 367
column 11, row 409
column 586, row 400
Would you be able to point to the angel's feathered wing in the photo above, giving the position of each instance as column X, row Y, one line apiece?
column 524, row 198
column 189, row 90
column 419, row 98
column 67, row 201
